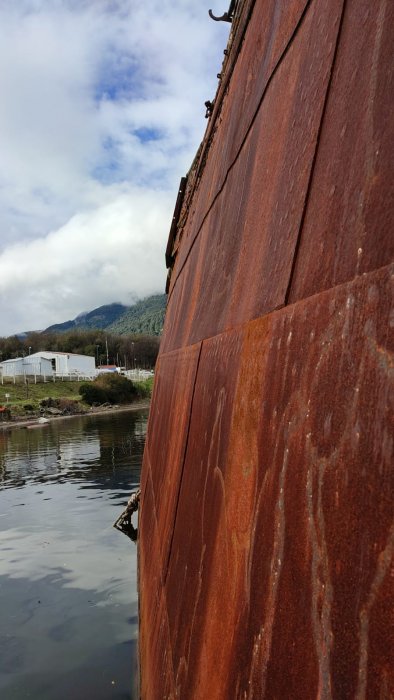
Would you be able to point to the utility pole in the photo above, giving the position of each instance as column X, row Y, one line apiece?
column 106, row 347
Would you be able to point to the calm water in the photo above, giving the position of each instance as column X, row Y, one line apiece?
column 68, row 621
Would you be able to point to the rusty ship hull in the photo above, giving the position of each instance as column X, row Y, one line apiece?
column 266, row 528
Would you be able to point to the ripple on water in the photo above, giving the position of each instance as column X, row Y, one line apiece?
column 67, row 578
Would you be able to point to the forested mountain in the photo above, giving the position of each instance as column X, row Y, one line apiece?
column 101, row 317
column 145, row 316
column 127, row 331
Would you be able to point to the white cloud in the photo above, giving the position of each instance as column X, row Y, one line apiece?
column 89, row 261
column 101, row 111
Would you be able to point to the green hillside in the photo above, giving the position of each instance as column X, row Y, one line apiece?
column 101, row 317
column 146, row 316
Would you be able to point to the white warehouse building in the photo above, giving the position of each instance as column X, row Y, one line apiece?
column 26, row 366
column 50, row 365
column 66, row 363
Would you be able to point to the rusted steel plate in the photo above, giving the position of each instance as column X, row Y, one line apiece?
column 174, row 223
column 167, row 434
column 349, row 221
column 165, row 449
column 154, row 642
column 240, row 264
column 278, row 583
column 268, row 33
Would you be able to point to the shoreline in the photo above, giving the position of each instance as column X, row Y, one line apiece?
column 33, row 422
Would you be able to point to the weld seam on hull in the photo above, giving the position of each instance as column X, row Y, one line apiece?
column 167, row 563
column 280, row 308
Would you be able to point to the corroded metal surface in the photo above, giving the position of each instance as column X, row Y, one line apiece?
column 349, row 223
column 271, row 28
column 279, row 574
column 267, row 524
column 252, row 229
column 167, row 436
column 156, row 676
column 165, row 446
column 175, row 219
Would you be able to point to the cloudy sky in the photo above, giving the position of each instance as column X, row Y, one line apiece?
column 101, row 111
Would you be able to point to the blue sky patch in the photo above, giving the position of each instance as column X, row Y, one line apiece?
column 145, row 134
column 120, row 77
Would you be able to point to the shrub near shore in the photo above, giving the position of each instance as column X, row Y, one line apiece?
column 114, row 389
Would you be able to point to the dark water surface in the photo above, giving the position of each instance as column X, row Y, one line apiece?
column 68, row 615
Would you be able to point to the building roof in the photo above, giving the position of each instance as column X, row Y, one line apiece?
column 22, row 359
column 55, row 352
column 13, row 359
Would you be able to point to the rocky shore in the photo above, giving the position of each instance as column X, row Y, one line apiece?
column 40, row 421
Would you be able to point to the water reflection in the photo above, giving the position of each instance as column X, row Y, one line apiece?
column 67, row 578
column 83, row 448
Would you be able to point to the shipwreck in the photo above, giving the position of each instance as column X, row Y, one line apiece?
column 266, row 521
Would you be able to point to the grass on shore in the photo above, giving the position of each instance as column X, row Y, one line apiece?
column 33, row 393
column 25, row 398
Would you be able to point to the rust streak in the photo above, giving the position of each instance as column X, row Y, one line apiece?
column 320, row 578
column 385, row 561
column 262, row 644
